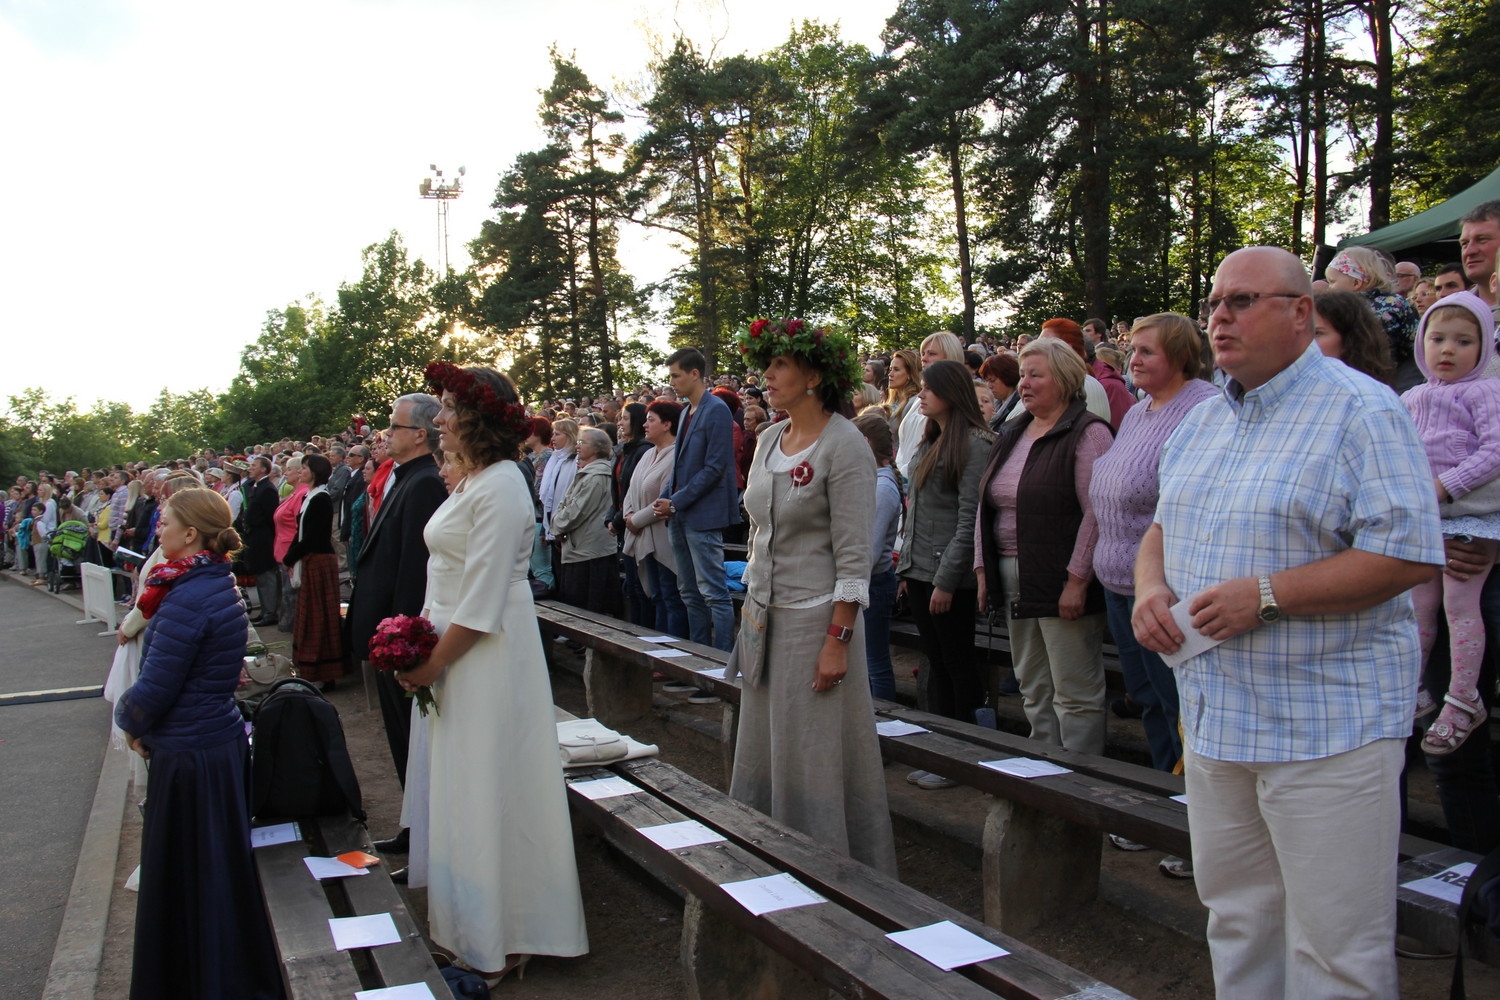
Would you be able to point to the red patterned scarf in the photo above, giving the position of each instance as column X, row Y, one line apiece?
column 160, row 579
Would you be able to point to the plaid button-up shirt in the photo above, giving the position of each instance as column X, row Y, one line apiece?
column 1317, row 460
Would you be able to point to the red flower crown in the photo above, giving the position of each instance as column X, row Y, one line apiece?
column 476, row 394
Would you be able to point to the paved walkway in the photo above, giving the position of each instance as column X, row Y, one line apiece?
column 50, row 755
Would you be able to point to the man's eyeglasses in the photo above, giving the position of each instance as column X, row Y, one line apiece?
column 1241, row 301
column 403, row 427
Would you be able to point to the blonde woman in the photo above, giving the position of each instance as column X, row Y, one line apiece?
column 941, row 346
column 1366, row 271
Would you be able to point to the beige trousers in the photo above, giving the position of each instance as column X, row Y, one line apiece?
column 1296, row 862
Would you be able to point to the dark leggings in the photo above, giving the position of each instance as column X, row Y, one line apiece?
column 950, row 685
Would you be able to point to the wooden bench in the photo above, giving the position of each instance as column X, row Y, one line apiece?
column 800, row 953
column 1042, row 843
column 299, row 907
column 1433, row 921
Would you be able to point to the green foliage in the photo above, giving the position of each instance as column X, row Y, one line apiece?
column 1450, row 130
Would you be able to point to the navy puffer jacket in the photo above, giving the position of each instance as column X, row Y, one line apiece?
column 192, row 653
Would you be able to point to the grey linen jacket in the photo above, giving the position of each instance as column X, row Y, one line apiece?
column 813, row 541
column 937, row 539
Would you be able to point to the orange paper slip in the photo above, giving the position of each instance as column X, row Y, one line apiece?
column 359, row 859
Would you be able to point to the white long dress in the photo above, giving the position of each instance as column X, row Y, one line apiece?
column 501, row 876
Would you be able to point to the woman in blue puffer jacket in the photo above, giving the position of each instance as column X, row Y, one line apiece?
column 200, row 926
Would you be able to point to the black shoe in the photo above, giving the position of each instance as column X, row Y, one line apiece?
column 399, row 876
column 1125, row 708
column 262, row 620
column 399, row 844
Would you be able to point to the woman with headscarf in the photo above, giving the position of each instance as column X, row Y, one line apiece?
column 1366, row 271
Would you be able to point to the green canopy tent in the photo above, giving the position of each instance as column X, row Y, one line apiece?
column 1431, row 235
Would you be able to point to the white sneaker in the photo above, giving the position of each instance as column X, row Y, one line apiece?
column 1175, row 867
column 1124, row 844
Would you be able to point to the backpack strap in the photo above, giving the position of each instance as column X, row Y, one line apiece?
column 336, row 753
column 1486, row 870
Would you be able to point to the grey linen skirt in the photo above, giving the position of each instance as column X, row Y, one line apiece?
column 812, row 760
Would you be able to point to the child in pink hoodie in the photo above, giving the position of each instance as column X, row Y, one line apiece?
column 1457, row 412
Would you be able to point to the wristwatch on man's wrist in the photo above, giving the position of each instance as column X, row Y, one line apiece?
column 1269, row 611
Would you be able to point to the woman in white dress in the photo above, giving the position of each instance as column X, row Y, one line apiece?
column 502, row 879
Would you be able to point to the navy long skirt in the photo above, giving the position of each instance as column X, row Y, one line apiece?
column 200, row 922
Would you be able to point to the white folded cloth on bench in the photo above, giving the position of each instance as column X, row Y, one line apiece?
column 587, row 742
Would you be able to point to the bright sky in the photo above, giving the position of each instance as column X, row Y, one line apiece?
column 172, row 169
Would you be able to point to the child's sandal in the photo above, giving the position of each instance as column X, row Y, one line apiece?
column 1452, row 729
column 1425, row 706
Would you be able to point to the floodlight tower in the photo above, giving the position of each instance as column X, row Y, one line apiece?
column 442, row 192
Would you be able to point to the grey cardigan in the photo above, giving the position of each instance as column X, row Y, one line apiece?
column 580, row 516
column 811, row 542
column 937, row 539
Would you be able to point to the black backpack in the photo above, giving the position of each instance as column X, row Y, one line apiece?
column 300, row 764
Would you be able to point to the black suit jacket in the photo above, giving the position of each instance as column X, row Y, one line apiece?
column 391, row 577
column 353, row 489
column 260, row 527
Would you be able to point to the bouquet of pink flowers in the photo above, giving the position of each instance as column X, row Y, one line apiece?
column 401, row 643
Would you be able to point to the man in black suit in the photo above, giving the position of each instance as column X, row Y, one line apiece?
column 354, row 488
column 258, row 518
column 391, row 577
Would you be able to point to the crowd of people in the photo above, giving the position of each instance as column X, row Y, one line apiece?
column 1250, row 475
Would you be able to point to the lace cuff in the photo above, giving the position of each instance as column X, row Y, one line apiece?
column 853, row 591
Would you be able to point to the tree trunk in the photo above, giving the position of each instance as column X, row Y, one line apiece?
column 961, row 224
column 1093, row 164
column 1378, row 14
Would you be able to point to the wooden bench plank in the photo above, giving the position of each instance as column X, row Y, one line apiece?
column 875, row 897
column 834, row 945
column 1433, row 921
column 410, row 961
column 298, row 910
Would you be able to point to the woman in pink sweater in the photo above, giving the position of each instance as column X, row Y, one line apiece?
column 1457, row 412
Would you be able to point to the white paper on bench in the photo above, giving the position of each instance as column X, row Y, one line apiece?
column 411, row 991
column 604, row 788
column 898, row 727
column 363, row 932
column 1025, row 767
column 771, row 893
column 281, row 833
column 1447, row 884
column 688, row 833
column 667, row 654
column 322, row 868
column 947, row 945
column 716, row 672
column 1193, row 641
column 660, row 638
column 1180, row 798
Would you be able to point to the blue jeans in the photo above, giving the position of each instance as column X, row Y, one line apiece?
column 1149, row 682
column 878, row 634
column 670, row 613
column 701, row 581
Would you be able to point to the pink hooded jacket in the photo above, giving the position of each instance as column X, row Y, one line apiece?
column 1459, row 421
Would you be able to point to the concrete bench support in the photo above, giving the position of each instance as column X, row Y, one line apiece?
column 722, row 962
column 618, row 692
column 1036, row 867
